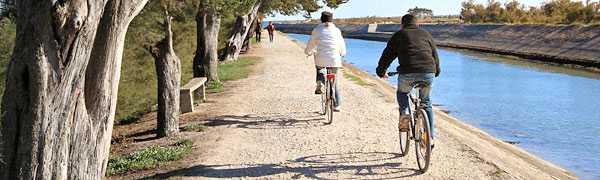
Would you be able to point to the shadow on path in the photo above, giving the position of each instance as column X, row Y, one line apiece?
column 270, row 121
column 359, row 165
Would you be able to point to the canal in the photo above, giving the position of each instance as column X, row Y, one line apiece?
column 548, row 110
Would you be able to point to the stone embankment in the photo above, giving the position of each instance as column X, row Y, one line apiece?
column 558, row 44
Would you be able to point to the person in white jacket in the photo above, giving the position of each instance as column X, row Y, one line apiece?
column 330, row 46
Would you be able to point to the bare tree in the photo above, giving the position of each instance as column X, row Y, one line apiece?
column 239, row 33
column 59, row 104
column 168, row 71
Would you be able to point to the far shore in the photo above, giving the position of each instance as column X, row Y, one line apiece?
column 570, row 46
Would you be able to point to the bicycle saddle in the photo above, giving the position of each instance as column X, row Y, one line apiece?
column 419, row 84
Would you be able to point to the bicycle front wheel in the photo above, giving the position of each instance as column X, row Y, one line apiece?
column 404, row 140
column 422, row 140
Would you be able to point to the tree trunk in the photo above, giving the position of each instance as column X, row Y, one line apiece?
column 239, row 33
column 58, row 113
column 251, row 34
column 206, row 59
column 168, row 71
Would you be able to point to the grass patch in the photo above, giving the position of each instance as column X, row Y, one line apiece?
column 214, row 85
column 294, row 40
column 237, row 69
column 196, row 128
column 7, row 34
column 594, row 69
column 356, row 79
column 202, row 101
column 497, row 173
column 576, row 66
column 149, row 157
column 577, row 24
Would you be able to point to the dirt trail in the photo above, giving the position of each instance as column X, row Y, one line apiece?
column 268, row 127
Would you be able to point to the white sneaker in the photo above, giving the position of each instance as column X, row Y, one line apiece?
column 337, row 108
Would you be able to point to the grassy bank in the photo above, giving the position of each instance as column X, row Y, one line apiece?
column 7, row 36
column 233, row 70
column 238, row 69
column 138, row 83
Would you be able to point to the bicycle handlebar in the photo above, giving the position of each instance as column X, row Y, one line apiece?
column 392, row 73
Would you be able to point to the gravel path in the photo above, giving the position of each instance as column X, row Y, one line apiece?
column 269, row 128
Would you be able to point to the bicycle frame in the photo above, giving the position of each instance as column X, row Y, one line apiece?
column 417, row 127
column 330, row 80
column 414, row 107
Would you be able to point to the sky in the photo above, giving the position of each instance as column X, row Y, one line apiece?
column 389, row 8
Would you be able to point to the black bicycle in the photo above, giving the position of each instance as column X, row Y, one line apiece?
column 418, row 129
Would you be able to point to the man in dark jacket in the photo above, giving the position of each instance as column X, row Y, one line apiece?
column 419, row 63
column 258, row 29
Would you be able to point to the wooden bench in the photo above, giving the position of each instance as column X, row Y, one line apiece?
column 186, row 100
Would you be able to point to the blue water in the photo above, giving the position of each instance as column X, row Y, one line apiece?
column 548, row 110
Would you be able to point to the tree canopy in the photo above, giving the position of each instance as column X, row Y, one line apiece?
column 420, row 12
column 293, row 7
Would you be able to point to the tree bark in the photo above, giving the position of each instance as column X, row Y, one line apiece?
column 206, row 59
column 168, row 71
column 251, row 34
column 239, row 33
column 57, row 114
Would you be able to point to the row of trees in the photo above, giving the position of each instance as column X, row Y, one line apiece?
column 554, row 11
column 60, row 99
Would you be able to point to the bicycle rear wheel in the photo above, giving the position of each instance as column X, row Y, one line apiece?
column 323, row 100
column 422, row 140
column 330, row 100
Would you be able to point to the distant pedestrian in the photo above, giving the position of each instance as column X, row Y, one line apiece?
column 258, row 29
column 271, row 28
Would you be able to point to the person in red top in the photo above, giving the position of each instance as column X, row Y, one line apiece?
column 271, row 28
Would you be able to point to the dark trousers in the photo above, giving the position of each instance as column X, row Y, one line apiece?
column 258, row 36
column 271, row 37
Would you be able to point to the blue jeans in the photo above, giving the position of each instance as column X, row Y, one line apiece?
column 321, row 72
column 405, row 85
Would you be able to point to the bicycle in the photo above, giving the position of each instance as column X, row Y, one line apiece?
column 328, row 98
column 418, row 129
